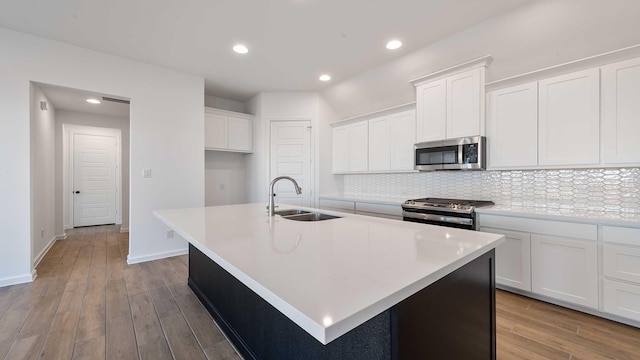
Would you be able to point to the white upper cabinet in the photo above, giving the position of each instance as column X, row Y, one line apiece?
column 621, row 112
column 431, row 106
column 569, row 119
column 380, row 144
column 350, row 148
column 512, row 127
column 215, row 131
column 450, row 103
column 228, row 131
column 403, row 138
column 465, row 95
column 380, row 141
column 239, row 134
column 359, row 147
column 340, row 149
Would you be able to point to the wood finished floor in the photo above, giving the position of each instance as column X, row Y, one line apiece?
column 87, row 303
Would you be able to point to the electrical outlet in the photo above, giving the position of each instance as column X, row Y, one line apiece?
column 168, row 234
column 146, row 173
column 41, row 233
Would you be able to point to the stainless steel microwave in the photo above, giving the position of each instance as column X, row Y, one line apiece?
column 454, row 154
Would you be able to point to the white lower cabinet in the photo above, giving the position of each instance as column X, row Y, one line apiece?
column 621, row 299
column 513, row 259
column 621, row 262
column 565, row 269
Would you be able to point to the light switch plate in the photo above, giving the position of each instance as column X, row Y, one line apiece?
column 168, row 234
column 146, row 173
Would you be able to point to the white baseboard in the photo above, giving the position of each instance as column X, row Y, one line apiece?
column 47, row 248
column 139, row 259
column 18, row 279
column 124, row 230
column 67, row 227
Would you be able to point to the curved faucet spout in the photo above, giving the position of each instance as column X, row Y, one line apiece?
column 272, row 206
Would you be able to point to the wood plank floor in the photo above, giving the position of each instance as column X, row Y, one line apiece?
column 87, row 303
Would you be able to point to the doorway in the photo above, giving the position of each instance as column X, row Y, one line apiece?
column 290, row 155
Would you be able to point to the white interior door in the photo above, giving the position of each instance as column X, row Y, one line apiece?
column 291, row 156
column 94, row 180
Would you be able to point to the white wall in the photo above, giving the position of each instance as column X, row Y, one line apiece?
column 328, row 183
column 275, row 106
column 224, row 104
column 540, row 34
column 43, row 219
column 167, row 121
column 95, row 120
column 225, row 177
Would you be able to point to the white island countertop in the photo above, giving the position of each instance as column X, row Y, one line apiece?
column 327, row 276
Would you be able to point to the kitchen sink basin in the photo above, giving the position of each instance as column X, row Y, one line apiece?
column 309, row 216
column 292, row 212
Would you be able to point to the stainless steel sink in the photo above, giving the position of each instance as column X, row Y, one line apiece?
column 292, row 212
column 309, row 216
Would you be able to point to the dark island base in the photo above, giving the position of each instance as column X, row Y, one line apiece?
column 453, row 318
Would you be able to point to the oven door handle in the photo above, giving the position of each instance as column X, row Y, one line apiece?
column 441, row 218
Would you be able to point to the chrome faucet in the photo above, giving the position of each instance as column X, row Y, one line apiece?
column 272, row 205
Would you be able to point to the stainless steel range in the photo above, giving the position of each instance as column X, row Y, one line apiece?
column 445, row 212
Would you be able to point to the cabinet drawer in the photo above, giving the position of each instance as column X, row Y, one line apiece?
column 340, row 205
column 383, row 209
column 621, row 262
column 537, row 226
column 621, row 235
column 622, row 299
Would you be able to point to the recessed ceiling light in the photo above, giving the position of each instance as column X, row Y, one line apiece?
column 93, row 101
column 394, row 44
column 240, row 49
column 324, row 77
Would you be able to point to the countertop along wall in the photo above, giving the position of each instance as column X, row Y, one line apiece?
column 167, row 122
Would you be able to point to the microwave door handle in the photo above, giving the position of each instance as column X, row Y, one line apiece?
column 460, row 151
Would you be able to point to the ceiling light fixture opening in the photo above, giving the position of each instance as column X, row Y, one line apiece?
column 240, row 49
column 394, row 44
column 325, row 77
column 93, row 101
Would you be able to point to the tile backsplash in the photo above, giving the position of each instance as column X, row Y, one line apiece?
column 581, row 189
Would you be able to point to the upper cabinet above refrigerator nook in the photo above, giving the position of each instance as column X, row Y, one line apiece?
column 450, row 103
column 228, row 131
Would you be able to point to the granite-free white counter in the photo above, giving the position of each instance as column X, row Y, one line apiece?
column 327, row 276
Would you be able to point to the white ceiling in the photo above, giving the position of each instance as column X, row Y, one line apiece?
column 75, row 100
column 291, row 42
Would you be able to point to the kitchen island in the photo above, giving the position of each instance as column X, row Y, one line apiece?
column 355, row 287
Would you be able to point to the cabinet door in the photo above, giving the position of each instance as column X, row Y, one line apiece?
column 380, row 140
column 359, row 147
column 215, row 131
column 513, row 126
column 565, row 269
column 464, row 104
column 621, row 299
column 621, row 112
column 239, row 134
column 403, row 138
column 340, row 149
column 431, row 106
column 513, row 259
column 569, row 119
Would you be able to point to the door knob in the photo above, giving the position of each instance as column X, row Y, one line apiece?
column 77, row 192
